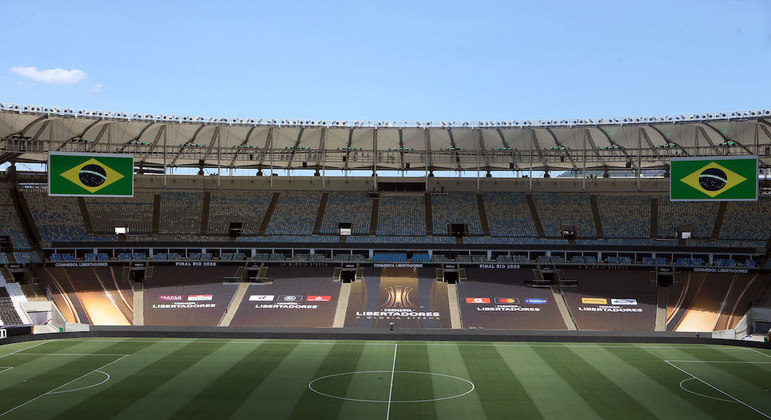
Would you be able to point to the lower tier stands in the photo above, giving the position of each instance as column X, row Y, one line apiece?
column 705, row 301
column 619, row 300
column 500, row 299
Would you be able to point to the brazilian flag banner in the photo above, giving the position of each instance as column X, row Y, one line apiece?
column 90, row 174
column 724, row 178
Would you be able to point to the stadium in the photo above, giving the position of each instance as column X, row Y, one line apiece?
column 177, row 266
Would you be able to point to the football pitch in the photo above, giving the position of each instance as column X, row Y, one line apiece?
column 314, row 379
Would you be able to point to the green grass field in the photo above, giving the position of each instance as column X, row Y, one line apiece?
column 270, row 379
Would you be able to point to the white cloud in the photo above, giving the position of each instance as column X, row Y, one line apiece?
column 97, row 87
column 55, row 76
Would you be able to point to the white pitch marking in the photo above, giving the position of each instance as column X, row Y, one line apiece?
column 758, row 351
column 85, row 387
column 391, row 387
column 421, row 343
column 53, row 391
column 702, row 395
column 719, row 390
column 717, row 361
column 26, row 348
column 5, row 369
column 310, row 386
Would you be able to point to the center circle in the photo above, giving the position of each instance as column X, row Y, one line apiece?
column 92, row 175
column 382, row 379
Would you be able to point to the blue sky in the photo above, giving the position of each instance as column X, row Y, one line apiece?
column 390, row 60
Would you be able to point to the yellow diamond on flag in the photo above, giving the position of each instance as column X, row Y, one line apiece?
column 91, row 175
column 713, row 179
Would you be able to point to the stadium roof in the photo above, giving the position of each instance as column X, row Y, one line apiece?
column 27, row 133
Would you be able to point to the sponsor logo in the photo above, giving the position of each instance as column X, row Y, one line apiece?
column 199, row 298
column 507, row 300
column 261, row 298
column 312, row 298
column 170, row 297
column 536, row 301
column 477, row 300
column 290, row 298
column 594, row 301
column 607, row 309
column 623, row 301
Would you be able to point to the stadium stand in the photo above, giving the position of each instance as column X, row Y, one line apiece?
column 8, row 314
column 458, row 208
column 9, row 222
column 181, row 212
column 135, row 213
column 508, row 215
column 625, row 216
column 401, row 215
column 245, row 207
column 747, row 220
column 675, row 213
column 58, row 219
column 296, row 213
column 568, row 209
column 354, row 207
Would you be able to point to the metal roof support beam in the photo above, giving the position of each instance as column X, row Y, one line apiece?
column 668, row 141
column 515, row 164
column 622, row 148
column 725, row 138
column 454, row 151
column 596, row 151
column 161, row 132
column 700, row 130
column 294, row 149
column 242, row 145
column 348, row 151
column 183, row 145
column 98, row 137
column 267, row 148
column 567, row 150
column 23, row 131
column 374, row 160
column 482, row 148
column 80, row 135
column 214, row 138
column 138, row 137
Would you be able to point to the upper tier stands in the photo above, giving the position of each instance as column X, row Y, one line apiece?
column 353, row 207
column 701, row 216
column 455, row 207
column 401, row 215
column 508, row 215
column 565, row 209
column 135, row 213
column 747, row 220
column 295, row 213
column 181, row 212
column 625, row 216
column 9, row 222
column 245, row 207
column 58, row 218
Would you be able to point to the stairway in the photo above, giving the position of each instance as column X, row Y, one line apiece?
column 429, row 215
column 654, row 217
column 235, row 302
column 534, row 215
column 342, row 305
column 719, row 219
column 483, row 215
column 155, row 227
column 596, row 216
column 320, row 214
column 268, row 214
column 205, row 212
column 86, row 216
column 373, row 217
column 452, row 296
column 570, row 323
column 661, row 309
column 139, row 305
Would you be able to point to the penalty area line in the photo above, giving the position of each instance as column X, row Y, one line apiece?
column 716, row 389
column 56, row 390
